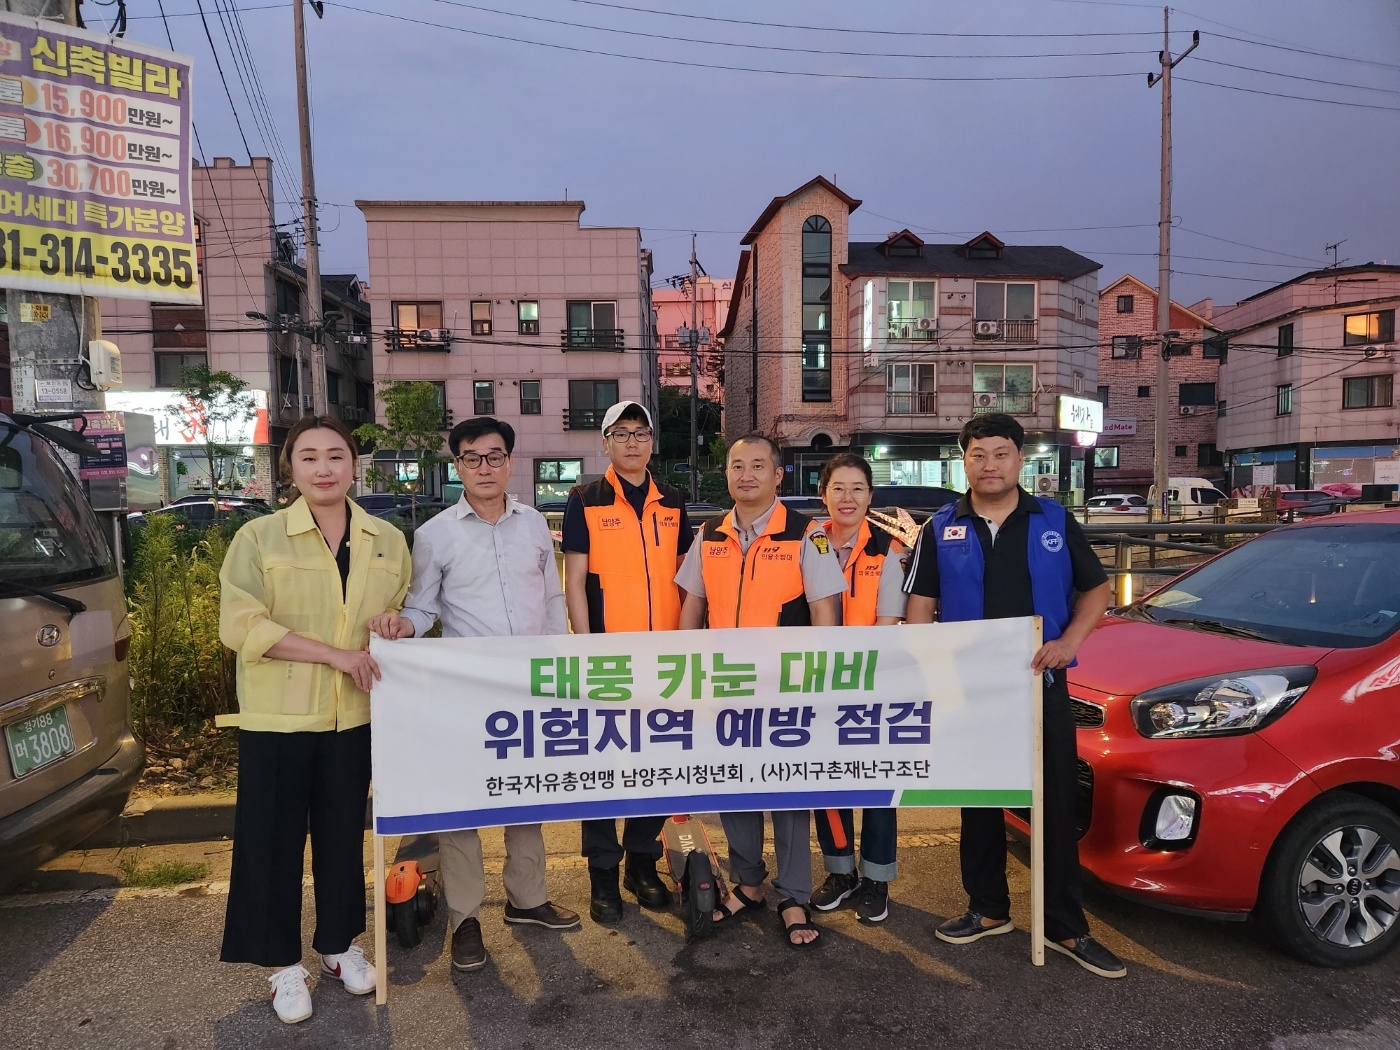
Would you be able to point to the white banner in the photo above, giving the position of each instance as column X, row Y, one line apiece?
column 478, row 732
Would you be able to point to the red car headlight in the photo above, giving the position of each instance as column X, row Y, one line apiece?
column 1220, row 704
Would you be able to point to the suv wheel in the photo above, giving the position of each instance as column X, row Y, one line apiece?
column 1331, row 890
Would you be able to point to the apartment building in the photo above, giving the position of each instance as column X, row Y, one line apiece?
column 1308, row 389
column 247, row 266
column 1129, row 349
column 677, row 311
column 887, row 347
column 515, row 310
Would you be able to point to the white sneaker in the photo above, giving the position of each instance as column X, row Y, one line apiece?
column 290, row 998
column 351, row 969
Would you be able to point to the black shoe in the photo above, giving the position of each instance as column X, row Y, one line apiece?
column 605, row 903
column 834, row 890
column 968, row 928
column 873, row 901
column 547, row 915
column 468, row 953
column 639, row 878
column 1091, row 955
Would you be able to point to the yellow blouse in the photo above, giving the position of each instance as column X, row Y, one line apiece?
column 279, row 576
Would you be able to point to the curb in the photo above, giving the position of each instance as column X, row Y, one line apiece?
column 174, row 819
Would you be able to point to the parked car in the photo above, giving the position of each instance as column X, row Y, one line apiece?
column 703, row 508
column 1237, row 737
column 557, row 506
column 375, row 501
column 71, row 758
column 925, row 498
column 201, row 514
column 411, row 515
column 225, row 501
column 804, row 504
column 1190, row 498
column 1308, row 503
column 1116, row 508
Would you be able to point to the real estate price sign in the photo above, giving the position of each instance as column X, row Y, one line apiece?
column 94, row 165
column 476, row 732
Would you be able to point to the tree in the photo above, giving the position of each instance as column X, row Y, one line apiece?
column 214, row 405
column 412, row 424
column 673, row 423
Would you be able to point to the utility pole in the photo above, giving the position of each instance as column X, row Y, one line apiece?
column 1161, row 458
column 694, row 375
column 308, row 205
column 48, row 332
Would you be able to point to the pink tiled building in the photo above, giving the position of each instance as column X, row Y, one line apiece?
column 1128, row 354
column 515, row 310
column 673, row 313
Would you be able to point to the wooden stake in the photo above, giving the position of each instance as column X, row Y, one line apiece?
column 1037, row 809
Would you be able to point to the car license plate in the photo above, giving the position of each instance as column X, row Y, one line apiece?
column 39, row 740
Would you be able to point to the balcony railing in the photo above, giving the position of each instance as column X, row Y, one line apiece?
column 591, row 338
column 912, row 329
column 1006, row 331
column 438, row 340
column 909, row 403
column 1012, row 404
column 583, row 418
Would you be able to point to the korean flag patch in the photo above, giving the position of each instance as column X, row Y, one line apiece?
column 954, row 532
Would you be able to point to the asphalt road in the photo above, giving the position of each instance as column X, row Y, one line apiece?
column 114, row 970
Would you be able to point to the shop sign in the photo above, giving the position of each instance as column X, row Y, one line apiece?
column 183, row 424
column 1120, row 426
column 1080, row 413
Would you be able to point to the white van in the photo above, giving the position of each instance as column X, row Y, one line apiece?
column 1189, row 498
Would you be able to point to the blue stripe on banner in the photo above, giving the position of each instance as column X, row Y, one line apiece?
column 662, row 807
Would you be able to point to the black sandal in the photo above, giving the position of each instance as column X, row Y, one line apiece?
column 747, row 904
column 787, row 930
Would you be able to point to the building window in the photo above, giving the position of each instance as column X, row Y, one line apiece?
column 1125, row 304
column 1195, row 394
column 1127, row 347
column 588, row 400
column 1207, row 455
column 1220, row 410
column 288, row 380
column 481, row 317
column 554, row 478
column 816, row 309
column 1003, row 388
column 529, row 397
column 170, row 367
column 333, row 388
column 441, row 387
column 1375, row 327
column 1106, row 458
column 1178, row 451
column 527, row 316
column 1103, row 394
column 1079, row 310
column 178, row 327
column 592, row 326
column 910, row 390
column 412, row 316
column 483, row 398
column 910, row 310
column 1367, row 392
column 1004, row 311
column 1285, row 340
column 1144, row 391
column 287, row 299
column 1283, row 400
column 1215, row 348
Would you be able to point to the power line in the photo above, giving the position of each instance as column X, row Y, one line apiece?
column 1294, row 76
column 1299, row 98
column 240, row 36
column 727, row 68
column 1254, row 247
column 1305, row 51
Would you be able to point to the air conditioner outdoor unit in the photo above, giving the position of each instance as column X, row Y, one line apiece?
column 307, row 402
column 984, row 400
column 928, row 324
column 433, row 335
column 1046, row 484
column 987, row 328
column 1188, row 410
column 357, row 339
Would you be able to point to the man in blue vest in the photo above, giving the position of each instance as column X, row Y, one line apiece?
column 1001, row 552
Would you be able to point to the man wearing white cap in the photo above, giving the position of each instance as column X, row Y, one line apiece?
column 624, row 537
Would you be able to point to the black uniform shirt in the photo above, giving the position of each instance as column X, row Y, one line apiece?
column 1006, row 576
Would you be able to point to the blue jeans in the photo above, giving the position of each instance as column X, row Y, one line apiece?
column 877, row 843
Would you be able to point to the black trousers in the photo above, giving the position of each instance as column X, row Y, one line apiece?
column 289, row 783
column 639, row 836
column 983, row 846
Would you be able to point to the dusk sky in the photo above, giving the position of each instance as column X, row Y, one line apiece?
column 1030, row 118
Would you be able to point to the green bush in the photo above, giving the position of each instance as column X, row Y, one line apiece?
column 182, row 675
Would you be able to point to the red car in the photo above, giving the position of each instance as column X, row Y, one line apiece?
column 1239, row 739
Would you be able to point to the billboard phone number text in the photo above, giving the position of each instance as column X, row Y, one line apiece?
column 95, row 257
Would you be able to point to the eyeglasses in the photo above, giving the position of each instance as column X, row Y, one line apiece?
column 472, row 460
column 641, row 437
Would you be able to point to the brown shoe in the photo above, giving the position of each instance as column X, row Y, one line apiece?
column 468, row 953
column 547, row 915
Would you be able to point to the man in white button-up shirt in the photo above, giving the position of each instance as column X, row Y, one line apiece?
column 486, row 568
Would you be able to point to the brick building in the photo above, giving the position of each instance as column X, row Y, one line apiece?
column 887, row 347
column 1128, row 349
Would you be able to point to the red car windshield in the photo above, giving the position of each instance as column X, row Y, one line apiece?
column 1326, row 585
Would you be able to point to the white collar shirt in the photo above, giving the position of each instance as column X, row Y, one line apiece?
column 484, row 579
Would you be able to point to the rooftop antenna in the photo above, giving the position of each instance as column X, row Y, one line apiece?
column 1333, row 249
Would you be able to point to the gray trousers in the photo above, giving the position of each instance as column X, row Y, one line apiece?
column 791, row 842
column 464, row 880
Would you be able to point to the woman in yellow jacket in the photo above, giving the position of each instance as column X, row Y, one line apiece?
column 298, row 590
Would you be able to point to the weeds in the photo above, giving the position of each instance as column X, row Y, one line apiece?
column 160, row 874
